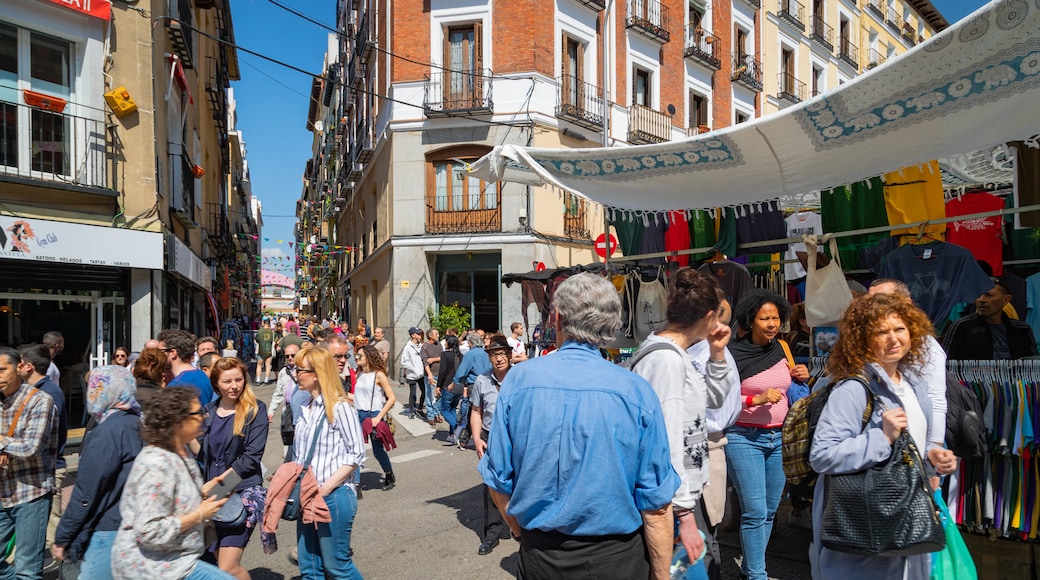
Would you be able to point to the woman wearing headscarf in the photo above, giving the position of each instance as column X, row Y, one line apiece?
column 753, row 452
column 91, row 520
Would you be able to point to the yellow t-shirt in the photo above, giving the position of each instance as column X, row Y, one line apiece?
column 915, row 194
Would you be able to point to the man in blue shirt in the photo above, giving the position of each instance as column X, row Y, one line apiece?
column 473, row 364
column 179, row 346
column 577, row 458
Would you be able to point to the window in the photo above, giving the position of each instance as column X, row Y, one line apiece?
column 741, row 117
column 574, row 212
column 464, row 59
column 696, row 15
column 573, row 71
column 698, row 111
column 641, row 87
column 787, row 71
column 817, row 81
column 455, row 201
column 843, row 33
column 34, row 138
column 740, row 42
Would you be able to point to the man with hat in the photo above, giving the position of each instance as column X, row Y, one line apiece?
column 989, row 333
column 482, row 408
column 412, row 365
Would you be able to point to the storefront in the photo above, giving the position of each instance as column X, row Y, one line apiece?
column 79, row 280
column 187, row 291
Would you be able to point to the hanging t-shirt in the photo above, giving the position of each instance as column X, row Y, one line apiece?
column 853, row 207
column 1027, row 183
column 915, row 194
column 653, row 238
column 727, row 238
column 759, row 222
column 982, row 236
column 702, row 232
column 732, row 277
column 677, row 237
column 800, row 224
column 629, row 230
column 938, row 274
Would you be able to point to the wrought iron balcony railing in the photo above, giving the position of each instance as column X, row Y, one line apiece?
column 791, row 90
column 849, row 53
column 579, row 102
column 702, row 46
column 875, row 58
column 793, row 12
column 455, row 93
column 822, row 33
column 645, row 125
column 650, row 18
column 747, row 70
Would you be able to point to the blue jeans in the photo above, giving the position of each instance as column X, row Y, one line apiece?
column 202, row 571
column 324, row 549
column 97, row 562
column 28, row 523
column 448, row 402
column 432, row 409
column 756, row 466
column 463, row 416
column 377, row 445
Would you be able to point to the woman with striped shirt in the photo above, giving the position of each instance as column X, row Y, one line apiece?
column 324, row 549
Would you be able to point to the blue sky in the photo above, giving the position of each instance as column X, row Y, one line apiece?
column 272, row 100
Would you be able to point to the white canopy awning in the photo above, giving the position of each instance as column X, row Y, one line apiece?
column 973, row 86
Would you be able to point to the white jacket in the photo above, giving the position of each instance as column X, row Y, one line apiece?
column 411, row 362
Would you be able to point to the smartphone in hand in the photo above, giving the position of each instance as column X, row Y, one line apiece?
column 226, row 486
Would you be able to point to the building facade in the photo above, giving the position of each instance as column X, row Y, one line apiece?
column 390, row 223
column 117, row 197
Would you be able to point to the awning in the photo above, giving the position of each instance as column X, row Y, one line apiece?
column 97, row 8
column 973, row 86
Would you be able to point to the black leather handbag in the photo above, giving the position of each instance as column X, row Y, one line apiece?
column 885, row 510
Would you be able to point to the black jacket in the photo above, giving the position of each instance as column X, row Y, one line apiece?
column 108, row 454
column 243, row 453
column 970, row 339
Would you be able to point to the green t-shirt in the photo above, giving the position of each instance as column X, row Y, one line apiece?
column 857, row 206
column 265, row 338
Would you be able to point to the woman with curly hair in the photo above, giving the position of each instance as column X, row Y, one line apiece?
column 753, row 452
column 373, row 399
column 882, row 339
column 234, row 438
column 165, row 505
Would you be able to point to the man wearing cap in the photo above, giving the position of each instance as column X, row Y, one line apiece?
column 482, row 408
column 989, row 334
column 411, row 363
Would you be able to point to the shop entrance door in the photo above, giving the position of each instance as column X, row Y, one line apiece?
column 108, row 327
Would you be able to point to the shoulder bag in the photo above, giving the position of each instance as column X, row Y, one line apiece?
column 293, row 508
column 884, row 510
column 827, row 294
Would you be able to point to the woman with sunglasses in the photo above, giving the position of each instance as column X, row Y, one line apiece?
column 234, row 438
column 373, row 399
column 339, row 452
column 121, row 356
column 165, row 504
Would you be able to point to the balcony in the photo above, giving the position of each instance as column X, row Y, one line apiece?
column 473, row 221
column 579, row 102
column 822, row 33
column 649, row 18
column 181, row 36
column 791, row 89
column 701, row 46
column 877, row 8
column 574, row 212
column 61, row 149
column 793, row 13
column 697, row 130
column 182, row 201
column 849, row 53
column 455, row 94
column 365, row 38
column 218, row 231
column 893, row 20
column 646, row 126
column 756, row 4
column 874, row 59
column 747, row 70
column 596, row 5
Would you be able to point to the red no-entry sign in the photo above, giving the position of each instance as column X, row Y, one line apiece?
column 602, row 249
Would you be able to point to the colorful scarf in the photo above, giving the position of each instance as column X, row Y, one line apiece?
column 109, row 389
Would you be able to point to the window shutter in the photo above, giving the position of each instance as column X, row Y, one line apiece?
column 704, row 111
column 635, row 73
column 579, row 77
column 692, row 108
column 444, row 75
column 478, row 60
column 565, row 71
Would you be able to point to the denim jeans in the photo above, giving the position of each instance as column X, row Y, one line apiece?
column 324, row 549
column 377, row 445
column 28, row 523
column 463, row 417
column 755, row 461
column 203, row 571
column 97, row 562
column 448, row 402
column 432, row 408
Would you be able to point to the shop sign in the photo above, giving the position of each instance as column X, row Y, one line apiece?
column 183, row 261
column 70, row 243
column 97, row 8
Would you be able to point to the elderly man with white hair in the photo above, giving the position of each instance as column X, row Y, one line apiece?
column 577, row 458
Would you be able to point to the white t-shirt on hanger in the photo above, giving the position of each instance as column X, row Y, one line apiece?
column 798, row 225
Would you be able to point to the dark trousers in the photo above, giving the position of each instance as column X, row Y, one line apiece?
column 801, row 496
column 550, row 556
column 417, row 389
column 494, row 525
column 712, row 554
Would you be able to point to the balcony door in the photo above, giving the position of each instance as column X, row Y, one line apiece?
column 463, row 57
column 573, row 63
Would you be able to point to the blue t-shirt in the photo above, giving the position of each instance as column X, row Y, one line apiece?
column 198, row 379
column 579, row 444
column 938, row 274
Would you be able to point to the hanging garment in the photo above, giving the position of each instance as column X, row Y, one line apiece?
column 533, row 292
column 759, row 222
column 677, row 237
column 915, row 194
column 651, row 305
column 732, row 277
column 981, row 236
column 853, row 207
column 726, row 241
column 626, row 289
column 1033, row 303
column 629, row 230
column 939, row 275
column 702, row 232
column 653, row 239
column 803, row 223
column 1027, row 182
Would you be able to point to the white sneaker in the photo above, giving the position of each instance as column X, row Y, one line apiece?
column 802, row 521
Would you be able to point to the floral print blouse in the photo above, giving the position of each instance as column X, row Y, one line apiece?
column 162, row 486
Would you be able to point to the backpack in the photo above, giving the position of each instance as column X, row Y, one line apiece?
column 800, row 427
column 631, row 363
column 965, row 432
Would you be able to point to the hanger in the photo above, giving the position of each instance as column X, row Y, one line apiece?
column 923, row 236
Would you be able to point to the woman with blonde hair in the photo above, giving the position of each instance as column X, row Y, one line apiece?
column 233, row 439
column 339, row 452
column 374, row 398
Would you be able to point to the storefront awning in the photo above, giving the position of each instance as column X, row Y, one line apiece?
column 973, row 86
column 71, row 243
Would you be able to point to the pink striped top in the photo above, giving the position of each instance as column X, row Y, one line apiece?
column 777, row 376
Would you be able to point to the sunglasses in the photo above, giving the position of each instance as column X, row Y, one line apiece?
column 199, row 413
column 299, row 371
